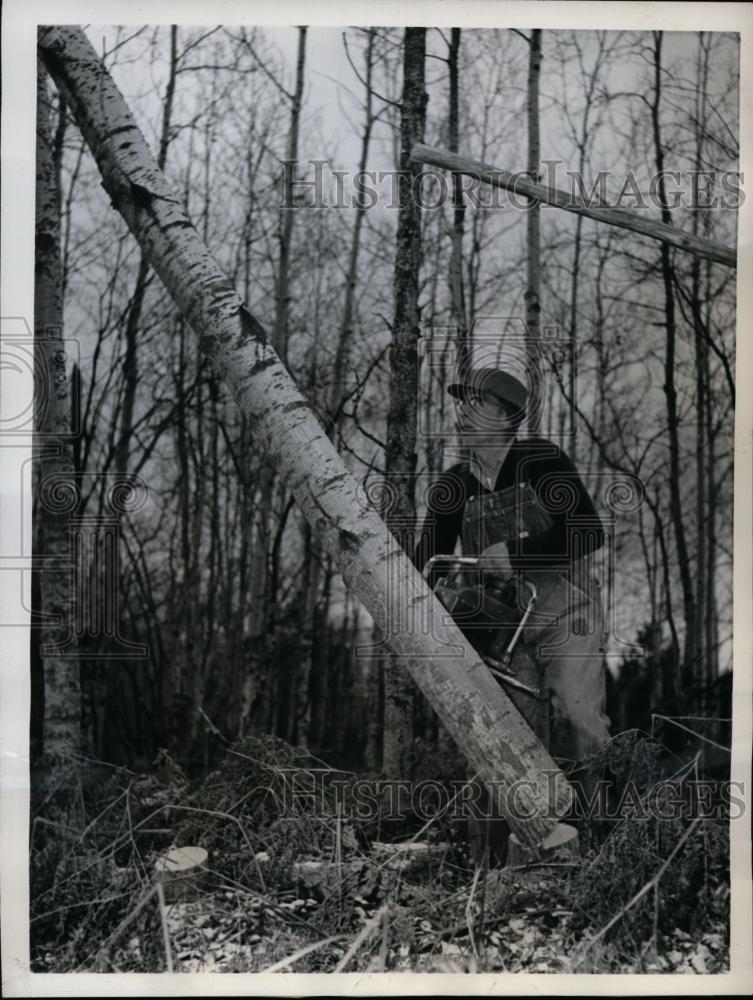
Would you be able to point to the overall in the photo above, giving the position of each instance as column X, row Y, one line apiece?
column 566, row 635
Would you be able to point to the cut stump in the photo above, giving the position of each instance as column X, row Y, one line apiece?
column 181, row 872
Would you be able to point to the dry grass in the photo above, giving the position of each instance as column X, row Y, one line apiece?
column 641, row 885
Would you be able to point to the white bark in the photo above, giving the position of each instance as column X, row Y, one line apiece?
column 61, row 733
column 498, row 744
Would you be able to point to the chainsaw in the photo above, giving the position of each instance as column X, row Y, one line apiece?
column 489, row 613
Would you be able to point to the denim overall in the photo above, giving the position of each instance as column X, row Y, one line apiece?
column 566, row 635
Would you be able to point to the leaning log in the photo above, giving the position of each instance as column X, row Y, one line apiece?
column 497, row 743
column 621, row 217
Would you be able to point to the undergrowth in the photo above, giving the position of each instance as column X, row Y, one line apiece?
column 292, row 869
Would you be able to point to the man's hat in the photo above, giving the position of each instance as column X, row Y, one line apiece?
column 491, row 382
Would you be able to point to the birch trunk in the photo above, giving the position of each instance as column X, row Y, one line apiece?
column 498, row 744
column 57, row 495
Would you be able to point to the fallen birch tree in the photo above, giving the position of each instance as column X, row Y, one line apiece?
column 622, row 218
column 494, row 738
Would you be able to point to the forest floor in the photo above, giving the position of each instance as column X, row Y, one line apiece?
column 294, row 883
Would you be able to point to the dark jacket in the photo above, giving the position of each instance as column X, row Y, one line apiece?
column 575, row 530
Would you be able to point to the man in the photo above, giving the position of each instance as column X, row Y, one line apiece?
column 532, row 485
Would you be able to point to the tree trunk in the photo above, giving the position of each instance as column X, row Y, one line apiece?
column 57, row 493
column 457, row 289
column 130, row 362
column 342, row 352
column 263, row 589
column 670, row 391
column 400, row 454
column 498, row 744
column 703, row 579
column 533, row 231
column 288, row 213
column 710, row 612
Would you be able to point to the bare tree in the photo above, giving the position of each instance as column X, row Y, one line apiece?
column 457, row 285
column 133, row 320
column 400, row 453
column 533, row 214
column 57, row 492
column 670, row 391
column 287, row 213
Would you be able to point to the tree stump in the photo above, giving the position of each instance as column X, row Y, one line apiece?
column 561, row 845
column 181, row 873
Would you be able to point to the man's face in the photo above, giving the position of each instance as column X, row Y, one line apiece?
column 484, row 420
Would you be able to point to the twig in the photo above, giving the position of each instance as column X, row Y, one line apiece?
column 387, row 100
column 288, row 916
column 70, row 831
column 263, row 66
column 339, row 854
column 338, row 840
column 461, row 930
column 212, row 728
column 102, row 856
column 543, row 864
column 651, row 884
column 89, row 903
column 673, row 720
column 365, row 932
column 469, row 909
column 384, row 945
column 285, row 962
column 165, row 929
column 124, row 923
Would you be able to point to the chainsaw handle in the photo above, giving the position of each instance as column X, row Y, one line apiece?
column 450, row 560
column 507, row 657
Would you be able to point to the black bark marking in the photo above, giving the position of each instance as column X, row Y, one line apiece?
column 119, row 130
column 349, row 541
column 298, row 404
column 142, row 197
column 332, row 481
column 251, row 328
column 259, row 366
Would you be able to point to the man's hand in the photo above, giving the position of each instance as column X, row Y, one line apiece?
column 495, row 560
